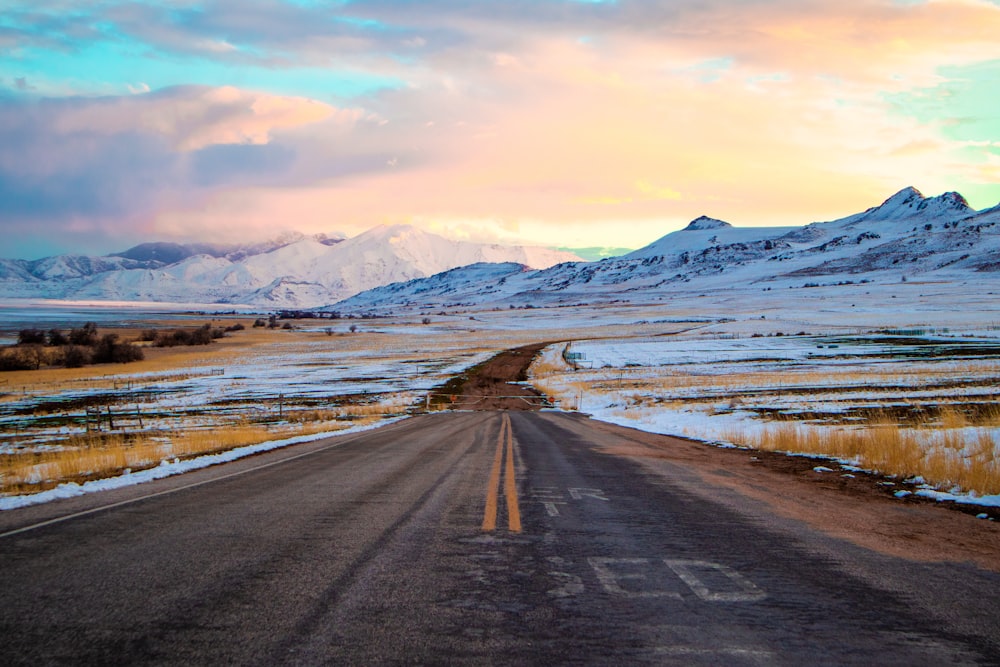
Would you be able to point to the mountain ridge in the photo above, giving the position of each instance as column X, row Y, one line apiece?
column 908, row 235
column 390, row 267
column 291, row 271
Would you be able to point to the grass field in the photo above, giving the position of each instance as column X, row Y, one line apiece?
column 886, row 404
column 908, row 407
column 69, row 425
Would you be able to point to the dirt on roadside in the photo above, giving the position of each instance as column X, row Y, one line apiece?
column 491, row 385
column 849, row 504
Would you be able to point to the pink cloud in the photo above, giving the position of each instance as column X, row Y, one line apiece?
column 760, row 113
column 193, row 117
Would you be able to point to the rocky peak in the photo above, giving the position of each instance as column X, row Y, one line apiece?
column 704, row 223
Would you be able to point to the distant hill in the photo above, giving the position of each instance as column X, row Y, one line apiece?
column 908, row 236
column 291, row 271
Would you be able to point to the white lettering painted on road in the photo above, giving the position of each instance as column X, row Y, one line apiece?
column 551, row 508
column 742, row 590
column 570, row 585
column 717, row 645
column 611, row 581
column 548, row 496
column 579, row 494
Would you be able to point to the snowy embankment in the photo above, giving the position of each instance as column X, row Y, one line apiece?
column 169, row 468
column 821, row 391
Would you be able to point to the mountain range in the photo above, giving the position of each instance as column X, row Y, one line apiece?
column 395, row 268
column 291, row 271
column 907, row 237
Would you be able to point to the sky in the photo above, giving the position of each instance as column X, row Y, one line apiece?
column 565, row 123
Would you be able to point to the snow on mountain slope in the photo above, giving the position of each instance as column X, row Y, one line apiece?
column 703, row 233
column 455, row 286
column 909, row 203
column 907, row 236
column 64, row 267
column 201, row 278
column 293, row 271
column 12, row 270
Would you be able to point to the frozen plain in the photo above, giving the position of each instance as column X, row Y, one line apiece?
column 721, row 336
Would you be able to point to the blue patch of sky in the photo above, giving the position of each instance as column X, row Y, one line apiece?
column 108, row 61
column 594, row 254
column 317, row 4
column 710, row 71
column 106, row 67
column 963, row 108
column 968, row 96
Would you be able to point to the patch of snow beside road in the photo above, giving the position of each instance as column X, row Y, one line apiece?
column 168, row 468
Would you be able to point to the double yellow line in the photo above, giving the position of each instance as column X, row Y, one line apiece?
column 510, row 485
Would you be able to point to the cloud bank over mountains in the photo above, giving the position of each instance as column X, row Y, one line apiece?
column 556, row 122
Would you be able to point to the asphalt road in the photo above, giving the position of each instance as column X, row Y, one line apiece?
column 416, row 544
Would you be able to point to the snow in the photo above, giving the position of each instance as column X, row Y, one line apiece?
column 168, row 468
column 301, row 272
column 706, row 311
column 907, row 238
column 961, row 498
column 704, row 233
column 723, row 390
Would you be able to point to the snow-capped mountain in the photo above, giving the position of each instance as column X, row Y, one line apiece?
column 909, row 236
column 293, row 271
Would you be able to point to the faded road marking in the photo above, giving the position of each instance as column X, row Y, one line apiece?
column 504, row 441
column 578, row 494
column 746, row 590
column 610, row 580
column 711, row 582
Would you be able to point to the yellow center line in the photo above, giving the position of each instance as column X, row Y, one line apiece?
column 510, row 485
column 506, row 437
column 490, row 515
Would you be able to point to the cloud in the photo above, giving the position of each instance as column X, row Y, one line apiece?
column 192, row 117
column 556, row 118
column 113, row 165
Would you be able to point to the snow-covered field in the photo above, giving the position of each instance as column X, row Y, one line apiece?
column 167, row 468
column 382, row 373
column 937, row 387
column 739, row 365
column 321, row 377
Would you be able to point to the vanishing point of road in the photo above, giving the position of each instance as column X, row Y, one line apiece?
column 496, row 537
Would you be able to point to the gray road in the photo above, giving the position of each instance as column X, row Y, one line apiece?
column 402, row 546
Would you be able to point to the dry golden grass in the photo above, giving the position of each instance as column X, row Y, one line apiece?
column 944, row 440
column 546, row 366
column 943, row 457
column 664, row 379
column 99, row 455
column 199, row 358
column 385, row 407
